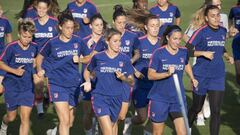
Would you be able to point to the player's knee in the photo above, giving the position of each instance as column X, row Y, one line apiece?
column 11, row 117
column 142, row 119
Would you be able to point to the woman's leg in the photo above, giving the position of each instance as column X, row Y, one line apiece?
column 25, row 112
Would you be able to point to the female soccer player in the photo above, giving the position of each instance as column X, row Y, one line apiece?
column 112, row 69
column 46, row 28
column 58, row 60
column 234, row 20
column 5, row 33
column 129, row 46
column 198, row 21
column 148, row 44
column 17, row 61
column 82, row 11
column 94, row 43
column 166, row 61
column 29, row 9
column 209, row 69
column 168, row 14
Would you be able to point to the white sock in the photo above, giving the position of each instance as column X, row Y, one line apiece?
column 54, row 131
column 4, row 126
column 40, row 107
column 88, row 132
column 145, row 132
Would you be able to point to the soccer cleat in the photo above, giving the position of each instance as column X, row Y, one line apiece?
column 200, row 121
column 127, row 126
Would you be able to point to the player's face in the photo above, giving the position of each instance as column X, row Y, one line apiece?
column 25, row 37
column 153, row 27
column 114, row 43
column 217, row 3
column 120, row 23
column 174, row 40
column 97, row 26
column 142, row 4
column 162, row 2
column 42, row 9
column 67, row 29
column 213, row 18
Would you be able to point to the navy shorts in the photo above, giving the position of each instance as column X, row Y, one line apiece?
column 159, row 111
column 14, row 99
column 64, row 94
column 107, row 105
column 206, row 84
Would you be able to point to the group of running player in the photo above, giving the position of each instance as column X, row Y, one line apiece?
column 132, row 60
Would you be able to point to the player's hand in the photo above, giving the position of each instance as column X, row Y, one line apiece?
column 87, row 86
column 209, row 55
column 120, row 75
column 20, row 71
column 233, row 31
column 41, row 73
column 75, row 59
column 1, row 88
column 230, row 60
column 86, row 20
column 195, row 83
column 171, row 70
column 138, row 74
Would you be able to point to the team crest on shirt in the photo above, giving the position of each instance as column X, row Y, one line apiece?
column 32, row 54
column 50, row 28
column 121, row 64
column 127, row 42
column 182, row 60
column 2, row 28
column 223, row 37
column 171, row 14
column 75, row 45
column 85, row 10
column 55, row 95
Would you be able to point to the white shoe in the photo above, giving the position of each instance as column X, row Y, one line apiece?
column 200, row 121
column 127, row 126
column 3, row 132
column 49, row 131
column 206, row 109
column 52, row 131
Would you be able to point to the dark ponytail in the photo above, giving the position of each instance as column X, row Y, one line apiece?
column 118, row 11
column 168, row 32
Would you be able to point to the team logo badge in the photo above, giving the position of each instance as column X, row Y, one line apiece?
column 121, row 64
column 50, row 28
column 127, row 42
column 182, row 60
column 32, row 54
column 55, row 95
column 153, row 114
column 85, row 10
column 2, row 28
column 223, row 37
column 171, row 14
column 75, row 45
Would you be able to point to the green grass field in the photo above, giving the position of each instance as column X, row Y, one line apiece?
column 230, row 124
